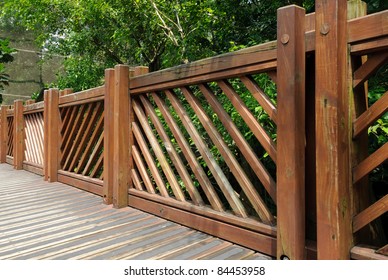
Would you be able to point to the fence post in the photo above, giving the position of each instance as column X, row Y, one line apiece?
column 18, row 155
column 334, row 236
column 3, row 134
column 108, row 135
column 291, row 133
column 52, row 121
column 120, row 137
column 46, row 114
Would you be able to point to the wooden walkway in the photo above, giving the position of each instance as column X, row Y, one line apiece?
column 40, row 220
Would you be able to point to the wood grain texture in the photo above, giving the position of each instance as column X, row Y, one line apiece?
column 334, row 236
column 19, row 133
column 291, row 133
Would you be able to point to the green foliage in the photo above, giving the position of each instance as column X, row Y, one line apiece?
column 5, row 57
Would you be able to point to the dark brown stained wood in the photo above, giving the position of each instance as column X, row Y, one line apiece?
column 259, row 132
column 334, row 236
column 202, row 178
column 242, row 144
column 108, row 136
column 370, row 116
column 260, row 96
column 238, row 172
column 367, row 27
column 383, row 250
column 371, row 213
column 137, row 181
column 3, row 133
column 86, row 96
column 96, row 158
column 174, row 156
column 369, row 67
column 18, row 152
column 250, row 56
column 37, row 169
column 309, row 22
column 250, row 239
column 370, row 163
column 120, row 137
column 144, row 173
column 369, row 46
column 149, row 159
column 137, row 71
column 34, row 107
column 68, row 147
column 95, row 142
column 67, row 116
column 291, row 133
column 220, row 177
column 74, row 140
column 90, row 120
column 364, row 252
column 227, row 217
column 54, row 139
column 46, row 113
column 80, row 182
column 10, row 136
column 152, row 140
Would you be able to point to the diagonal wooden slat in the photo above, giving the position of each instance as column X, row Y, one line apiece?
column 68, row 123
column 241, row 143
column 71, row 132
column 235, row 167
column 143, row 172
column 175, row 158
column 370, row 214
column 260, row 96
column 370, row 115
column 260, row 133
column 89, row 123
column 149, row 160
column 95, row 157
column 370, row 163
column 367, row 69
column 219, row 176
column 86, row 159
column 158, row 152
column 202, row 178
column 10, row 136
column 136, row 180
column 98, row 166
column 82, row 136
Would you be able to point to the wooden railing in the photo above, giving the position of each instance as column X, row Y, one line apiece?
column 244, row 146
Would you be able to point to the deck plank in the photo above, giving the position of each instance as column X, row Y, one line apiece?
column 40, row 220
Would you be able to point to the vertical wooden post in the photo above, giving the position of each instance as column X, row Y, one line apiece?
column 53, row 141
column 291, row 133
column 46, row 114
column 18, row 154
column 120, row 137
column 108, row 135
column 3, row 134
column 334, row 237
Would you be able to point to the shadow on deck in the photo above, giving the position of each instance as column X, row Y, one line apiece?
column 40, row 220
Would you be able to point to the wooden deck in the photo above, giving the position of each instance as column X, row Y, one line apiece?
column 40, row 220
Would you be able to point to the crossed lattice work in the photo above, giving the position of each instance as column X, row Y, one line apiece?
column 83, row 139
column 34, row 140
column 10, row 122
column 204, row 146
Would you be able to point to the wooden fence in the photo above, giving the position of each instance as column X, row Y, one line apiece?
column 264, row 147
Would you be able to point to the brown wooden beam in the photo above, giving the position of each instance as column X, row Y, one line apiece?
column 18, row 135
column 291, row 133
column 334, row 235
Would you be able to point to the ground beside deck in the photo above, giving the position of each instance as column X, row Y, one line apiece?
column 40, row 220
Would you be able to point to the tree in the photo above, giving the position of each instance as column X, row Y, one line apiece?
column 5, row 57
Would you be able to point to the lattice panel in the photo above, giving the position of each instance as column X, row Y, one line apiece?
column 83, row 139
column 34, row 140
column 204, row 146
column 10, row 136
column 373, row 119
